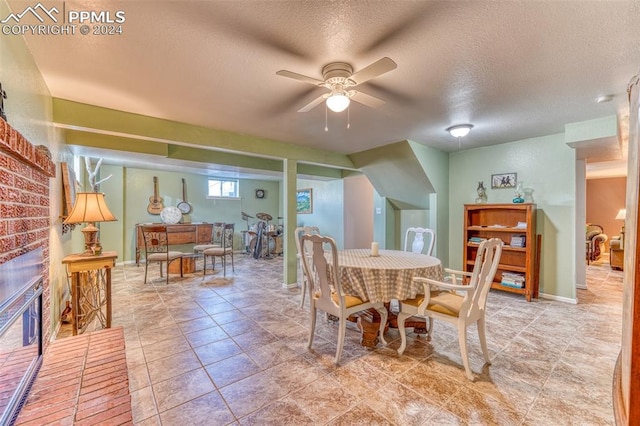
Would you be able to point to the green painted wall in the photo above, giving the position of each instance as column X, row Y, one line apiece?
column 328, row 208
column 28, row 109
column 545, row 165
column 436, row 166
column 129, row 189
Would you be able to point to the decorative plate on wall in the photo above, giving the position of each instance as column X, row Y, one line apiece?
column 260, row 193
column 170, row 215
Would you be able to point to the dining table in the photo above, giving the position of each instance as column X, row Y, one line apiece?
column 383, row 278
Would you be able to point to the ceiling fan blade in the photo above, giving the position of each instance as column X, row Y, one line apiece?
column 300, row 77
column 375, row 69
column 314, row 103
column 368, row 100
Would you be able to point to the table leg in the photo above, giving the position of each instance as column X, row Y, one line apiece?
column 369, row 323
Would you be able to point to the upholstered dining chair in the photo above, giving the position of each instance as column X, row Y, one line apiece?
column 418, row 241
column 217, row 230
column 156, row 247
column 222, row 252
column 326, row 292
column 443, row 301
column 299, row 232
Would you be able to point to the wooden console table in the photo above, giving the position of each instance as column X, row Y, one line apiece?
column 90, row 288
column 181, row 233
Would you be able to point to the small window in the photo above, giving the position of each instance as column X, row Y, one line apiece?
column 223, row 188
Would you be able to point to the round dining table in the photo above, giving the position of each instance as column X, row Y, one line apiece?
column 387, row 276
column 384, row 278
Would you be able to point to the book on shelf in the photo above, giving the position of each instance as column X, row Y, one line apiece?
column 518, row 241
column 476, row 240
column 512, row 279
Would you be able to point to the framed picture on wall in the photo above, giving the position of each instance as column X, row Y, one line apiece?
column 503, row 180
column 304, row 201
column 69, row 184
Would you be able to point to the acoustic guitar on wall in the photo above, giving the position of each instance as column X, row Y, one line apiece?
column 155, row 203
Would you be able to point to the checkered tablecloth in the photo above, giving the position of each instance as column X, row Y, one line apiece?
column 386, row 277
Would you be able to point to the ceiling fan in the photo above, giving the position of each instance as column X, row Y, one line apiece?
column 339, row 78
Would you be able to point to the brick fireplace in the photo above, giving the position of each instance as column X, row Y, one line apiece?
column 25, row 296
column 25, row 171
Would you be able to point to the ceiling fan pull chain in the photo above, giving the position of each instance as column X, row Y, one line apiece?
column 326, row 126
column 348, row 117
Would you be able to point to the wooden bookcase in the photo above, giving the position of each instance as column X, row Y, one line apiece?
column 484, row 221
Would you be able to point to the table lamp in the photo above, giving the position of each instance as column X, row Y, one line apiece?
column 89, row 208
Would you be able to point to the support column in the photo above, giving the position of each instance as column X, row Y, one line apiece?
column 289, row 186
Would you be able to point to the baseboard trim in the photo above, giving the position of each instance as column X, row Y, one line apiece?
column 582, row 286
column 559, row 298
column 290, row 286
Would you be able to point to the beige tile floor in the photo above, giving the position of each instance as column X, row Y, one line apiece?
column 216, row 351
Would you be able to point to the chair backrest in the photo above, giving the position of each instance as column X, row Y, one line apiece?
column 316, row 262
column 418, row 241
column 156, row 239
column 216, row 233
column 302, row 230
column 228, row 231
column 484, row 271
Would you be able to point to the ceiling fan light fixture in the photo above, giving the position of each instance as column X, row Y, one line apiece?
column 460, row 130
column 338, row 102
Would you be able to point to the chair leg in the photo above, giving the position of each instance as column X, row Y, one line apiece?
column 402, row 317
column 146, row 266
column 312, row 326
column 341, row 332
column 430, row 329
column 304, row 289
column 160, row 263
column 223, row 259
column 204, row 265
column 482, row 334
column 181, row 273
column 462, row 338
column 383, row 323
column 233, row 268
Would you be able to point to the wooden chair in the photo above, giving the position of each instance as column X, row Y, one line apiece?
column 299, row 232
column 326, row 292
column 418, row 242
column 442, row 301
column 156, row 247
column 225, row 250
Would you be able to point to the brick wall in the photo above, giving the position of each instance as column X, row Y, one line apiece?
column 24, row 204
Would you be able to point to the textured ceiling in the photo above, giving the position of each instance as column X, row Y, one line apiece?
column 514, row 69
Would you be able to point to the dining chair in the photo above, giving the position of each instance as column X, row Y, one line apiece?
column 217, row 230
column 156, row 248
column 442, row 300
column 222, row 252
column 326, row 292
column 418, row 241
column 299, row 232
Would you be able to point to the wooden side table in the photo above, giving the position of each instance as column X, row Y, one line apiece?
column 90, row 288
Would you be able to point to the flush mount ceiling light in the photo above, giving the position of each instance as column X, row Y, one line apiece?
column 460, row 130
column 338, row 101
column 604, row 98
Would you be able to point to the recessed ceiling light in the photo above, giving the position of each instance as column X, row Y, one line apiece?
column 605, row 98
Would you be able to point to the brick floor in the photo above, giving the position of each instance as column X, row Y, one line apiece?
column 83, row 381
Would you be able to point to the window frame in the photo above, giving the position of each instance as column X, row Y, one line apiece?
column 236, row 183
